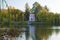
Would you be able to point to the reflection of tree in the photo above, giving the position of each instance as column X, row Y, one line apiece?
column 42, row 32
column 27, row 33
column 57, row 30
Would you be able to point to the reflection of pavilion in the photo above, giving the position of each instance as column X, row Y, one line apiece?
column 31, row 32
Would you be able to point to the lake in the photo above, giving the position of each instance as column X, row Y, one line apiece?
column 31, row 32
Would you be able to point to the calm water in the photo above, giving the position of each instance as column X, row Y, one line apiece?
column 31, row 32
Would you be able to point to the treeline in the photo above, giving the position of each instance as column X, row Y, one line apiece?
column 48, row 18
column 42, row 15
column 10, row 17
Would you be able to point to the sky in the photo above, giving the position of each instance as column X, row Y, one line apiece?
column 53, row 5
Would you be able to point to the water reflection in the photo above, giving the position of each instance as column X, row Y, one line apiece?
column 22, row 36
column 54, row 36
column 31, row 32
column 43, row 32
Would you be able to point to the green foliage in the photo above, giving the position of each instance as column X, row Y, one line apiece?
column 36, row 8
column 27, row 12
column 45, row 17
column 17, row 18
column 13, row 15
column 42, row 15
column 49, row 18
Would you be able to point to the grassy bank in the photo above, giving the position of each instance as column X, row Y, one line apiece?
column 24, row 24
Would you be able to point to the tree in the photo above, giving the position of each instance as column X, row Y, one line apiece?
column 27, row 12
column 36, row 7
column 56, row 19
column 45, row 17
column 42, row 16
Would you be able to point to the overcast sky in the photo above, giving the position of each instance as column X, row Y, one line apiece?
column 53, row 5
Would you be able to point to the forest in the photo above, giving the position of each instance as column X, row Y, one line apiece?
column 14, row 17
